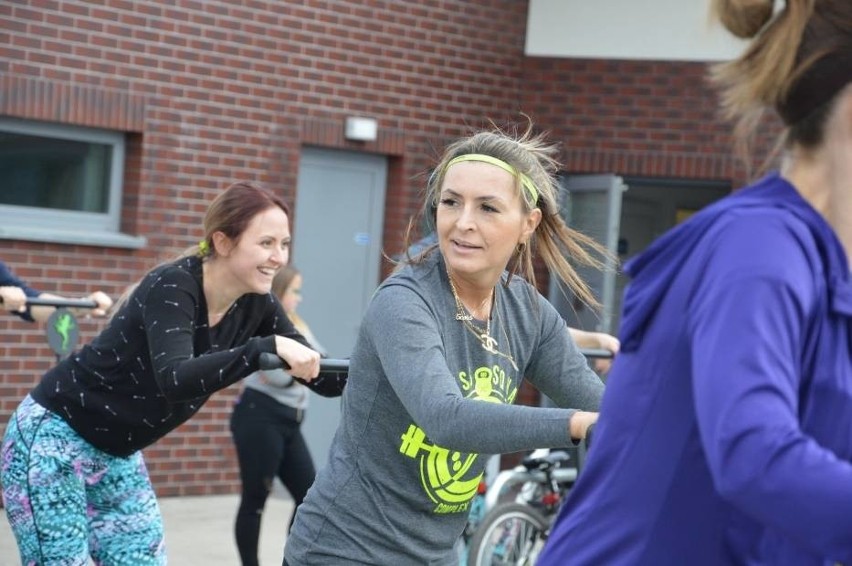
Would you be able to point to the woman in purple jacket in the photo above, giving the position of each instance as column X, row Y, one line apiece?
column 725, row 434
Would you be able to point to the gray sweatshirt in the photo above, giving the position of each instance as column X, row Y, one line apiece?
column 424, row 406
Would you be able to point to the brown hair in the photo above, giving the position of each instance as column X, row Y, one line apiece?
column 798, row 61
column 283, row 279
column 557, row 244
column 232, row 211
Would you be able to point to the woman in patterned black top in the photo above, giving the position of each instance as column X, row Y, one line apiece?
column 74, row 482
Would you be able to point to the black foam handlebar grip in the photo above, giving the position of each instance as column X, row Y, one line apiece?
column 68, row 303
column 328, row 366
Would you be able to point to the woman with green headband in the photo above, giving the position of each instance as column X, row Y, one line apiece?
column 443, row 350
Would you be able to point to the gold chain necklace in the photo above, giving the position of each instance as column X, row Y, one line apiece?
column 488, row 343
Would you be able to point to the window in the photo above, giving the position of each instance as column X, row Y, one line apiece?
column 61, row 184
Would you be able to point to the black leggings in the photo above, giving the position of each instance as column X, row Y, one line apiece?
column 269, row 444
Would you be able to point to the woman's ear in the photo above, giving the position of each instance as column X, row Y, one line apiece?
column 531, row 222
column 222, row 244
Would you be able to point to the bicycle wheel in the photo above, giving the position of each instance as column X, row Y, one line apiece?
column 511, row 533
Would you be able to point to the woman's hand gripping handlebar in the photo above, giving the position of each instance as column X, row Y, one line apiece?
column 597, row 353
column 329, row 368
column 41, row 307
column 58, row 313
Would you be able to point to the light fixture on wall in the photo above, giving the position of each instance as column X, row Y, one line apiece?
column 361, row 129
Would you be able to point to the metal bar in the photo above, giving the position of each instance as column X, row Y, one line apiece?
column 596, row 353
column 69, row 303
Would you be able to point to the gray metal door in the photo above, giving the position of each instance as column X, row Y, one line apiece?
column 591, row 204
column 640, row 225
column 337, row 241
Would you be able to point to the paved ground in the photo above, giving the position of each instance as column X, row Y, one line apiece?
column 199, row 531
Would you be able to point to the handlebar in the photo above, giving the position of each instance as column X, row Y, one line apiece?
column 62, row 330
column 596, row 353
column 67, row 303
column 329, row 367
column 332, row 366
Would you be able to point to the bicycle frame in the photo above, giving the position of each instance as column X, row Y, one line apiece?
column 520, row 474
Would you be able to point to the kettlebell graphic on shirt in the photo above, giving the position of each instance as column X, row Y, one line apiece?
column 489, row 384
column 442, row 472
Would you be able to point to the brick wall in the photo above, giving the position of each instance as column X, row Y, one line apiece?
column 637, row 118
column 210, row 92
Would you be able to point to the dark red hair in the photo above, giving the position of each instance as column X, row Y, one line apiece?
column 233, row 210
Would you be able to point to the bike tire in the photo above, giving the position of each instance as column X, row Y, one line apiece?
column 511, row 533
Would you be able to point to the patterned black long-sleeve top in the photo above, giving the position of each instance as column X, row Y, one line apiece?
column 158, row 361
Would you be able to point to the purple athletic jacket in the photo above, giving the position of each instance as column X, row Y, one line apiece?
column 725, row 434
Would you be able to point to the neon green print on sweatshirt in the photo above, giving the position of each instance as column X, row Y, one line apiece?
column 488, row 384
column 442, row 472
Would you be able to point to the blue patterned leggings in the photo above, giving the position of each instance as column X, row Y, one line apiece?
column 66, row 500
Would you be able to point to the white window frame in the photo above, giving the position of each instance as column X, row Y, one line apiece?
column 70, row 226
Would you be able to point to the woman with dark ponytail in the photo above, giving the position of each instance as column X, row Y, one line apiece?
column 725, row 435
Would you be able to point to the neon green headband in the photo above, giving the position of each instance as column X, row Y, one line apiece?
column 526, row 182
